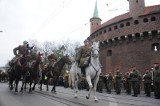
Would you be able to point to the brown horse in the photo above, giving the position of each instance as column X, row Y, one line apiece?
column 55, row 72
column 16, row 71
column 32, row 74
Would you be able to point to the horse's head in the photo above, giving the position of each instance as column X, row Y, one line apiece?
column 67, row 60
column 39, row 57
column 95, row 49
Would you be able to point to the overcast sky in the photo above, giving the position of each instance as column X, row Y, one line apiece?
column 52, row 20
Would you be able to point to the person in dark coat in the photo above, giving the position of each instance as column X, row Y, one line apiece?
column 135, row 81
column 147, row 82
column 156, row 80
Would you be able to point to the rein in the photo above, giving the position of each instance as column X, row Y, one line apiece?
column 92, row 55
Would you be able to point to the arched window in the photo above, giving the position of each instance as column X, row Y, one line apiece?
column 100, row 33
column 109, row 53
column 153, row 18
column 115, row 27
column 155, row 47
column 145, row 20
column 110, row 29
column 128, row 24
column 136, row 22
column 121, row 25
column 136, row 1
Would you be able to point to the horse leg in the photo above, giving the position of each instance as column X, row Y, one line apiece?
column 25, row 85
column 41, row 85
column 90, row 86
column 22, row 86
column 54, row 86
column 23, row 81
column 11, row 84
column 16, row 82
column 75, row 86
column 95, row 87
column 47, row 84
column 35, row 83
column 30, row 85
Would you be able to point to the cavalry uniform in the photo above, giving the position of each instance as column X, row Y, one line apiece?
column 128, row 83
column 156, row 82
column 52, row 60
column 109, row 80
column 147, row 83
column 84, row 52
column 83, row 57
column 135, row 82
column 100, row 84
column 23, row 50
column 118, row 81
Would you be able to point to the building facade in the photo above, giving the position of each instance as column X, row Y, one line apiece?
column 130, row 39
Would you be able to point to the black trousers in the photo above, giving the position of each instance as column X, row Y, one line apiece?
column 157, row 89
column 147, row 88
column 135, row 87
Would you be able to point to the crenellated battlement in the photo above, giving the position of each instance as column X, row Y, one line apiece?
column 130, row 38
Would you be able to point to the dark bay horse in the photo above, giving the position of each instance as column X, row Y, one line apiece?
column 33, row 73
column 16, row 71
column 56, row 71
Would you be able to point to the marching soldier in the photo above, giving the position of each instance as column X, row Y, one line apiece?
column 118, row 81
column 100, row 84
column 83, row 55
column 109, row 80
column 156, row 80
column 135, row 81
column 147, row 82
column 128, row 83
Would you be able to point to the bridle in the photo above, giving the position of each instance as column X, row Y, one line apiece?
column 92, row 52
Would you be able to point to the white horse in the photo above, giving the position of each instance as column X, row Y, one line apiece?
column 92, row 72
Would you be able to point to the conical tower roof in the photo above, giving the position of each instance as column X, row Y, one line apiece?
column 95, row 14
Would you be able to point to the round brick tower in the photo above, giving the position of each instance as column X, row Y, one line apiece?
column 130, row 39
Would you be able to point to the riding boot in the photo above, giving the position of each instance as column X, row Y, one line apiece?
column 83, row 71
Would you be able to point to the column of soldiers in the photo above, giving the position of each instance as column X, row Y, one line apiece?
column 133, row 80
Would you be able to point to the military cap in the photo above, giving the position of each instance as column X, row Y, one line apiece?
column 86, row 40
column 25, row 42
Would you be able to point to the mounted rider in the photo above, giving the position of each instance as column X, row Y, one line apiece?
column 52, row 58
column 83, row 56
column 23, row 51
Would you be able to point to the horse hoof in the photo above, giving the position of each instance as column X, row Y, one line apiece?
column 96, row 101
column 30, row 90
column 87, row 97
column 11, row 89
column 75, row 97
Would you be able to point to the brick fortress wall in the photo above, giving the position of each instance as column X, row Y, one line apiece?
column 129, row 42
